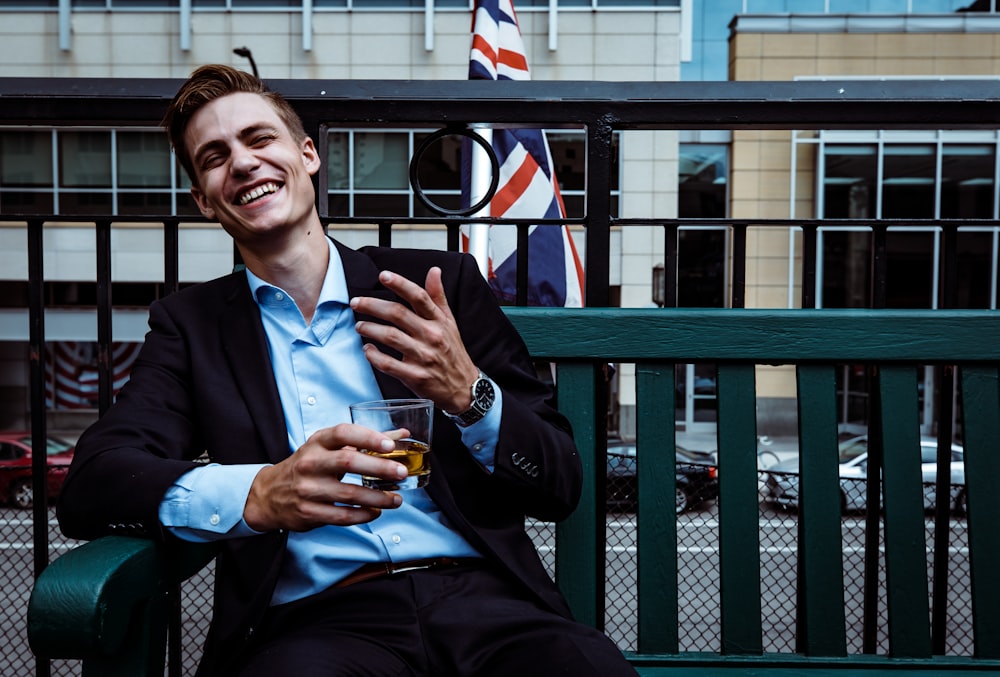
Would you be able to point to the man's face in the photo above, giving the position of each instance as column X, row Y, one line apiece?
column 252, row 176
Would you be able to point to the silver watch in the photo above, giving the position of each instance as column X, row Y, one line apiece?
column 483, row 397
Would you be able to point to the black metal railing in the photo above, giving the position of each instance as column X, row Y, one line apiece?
column 599, row 108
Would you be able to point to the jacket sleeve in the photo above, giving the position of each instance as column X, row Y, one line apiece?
column 536, row 459
column 126, row 461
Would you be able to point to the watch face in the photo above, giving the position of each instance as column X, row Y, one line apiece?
column 484, row 394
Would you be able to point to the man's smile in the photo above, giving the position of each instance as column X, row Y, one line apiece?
column 257, row 192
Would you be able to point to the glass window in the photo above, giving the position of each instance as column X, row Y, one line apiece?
column 381, row 160
column 943, row 6
column 704, row 169
column 388, row 3
column 24, row 202
column 910, row 265
column 797, row 6
column 888, row 6
column 569, row 159
column 85, row 159
column 975, row 253
column 967, row 181
column 25, row 159
column 364, row 167
column 846, row 259
column 338, row 176
column 143, row 203
column 701, row 268
column 85, row 203
column 143, row 159
column 269, row 4
column 440, row 165
column 849, row 174
column 123, row 4
column 848, row 6
column 908, row 181
column 634, row 3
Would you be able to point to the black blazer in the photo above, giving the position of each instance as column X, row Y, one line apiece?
column 203, row 384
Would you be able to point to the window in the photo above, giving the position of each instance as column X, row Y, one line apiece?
column 123, row 172
column 704, row 171
column 368, row 172
column 903, row 176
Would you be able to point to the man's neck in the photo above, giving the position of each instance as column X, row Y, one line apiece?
column 299, row 268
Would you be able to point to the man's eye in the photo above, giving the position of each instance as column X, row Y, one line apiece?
column 262, row 139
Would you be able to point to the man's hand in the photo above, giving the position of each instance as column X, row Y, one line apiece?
column 434, row 364
column 305, row 490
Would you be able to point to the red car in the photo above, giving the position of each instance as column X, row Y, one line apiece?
column 15, row 467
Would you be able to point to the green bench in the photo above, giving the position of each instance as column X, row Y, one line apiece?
column 105, row 601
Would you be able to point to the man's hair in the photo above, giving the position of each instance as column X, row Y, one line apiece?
column 211, row 82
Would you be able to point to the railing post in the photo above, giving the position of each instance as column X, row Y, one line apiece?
column 39, row 461
column 598, row 271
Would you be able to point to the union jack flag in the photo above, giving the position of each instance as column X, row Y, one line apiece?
column 528, row 187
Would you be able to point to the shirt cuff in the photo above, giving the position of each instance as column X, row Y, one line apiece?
column 481, row 437
column 206, row 504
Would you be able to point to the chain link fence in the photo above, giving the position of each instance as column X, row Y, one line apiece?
column 698, row 588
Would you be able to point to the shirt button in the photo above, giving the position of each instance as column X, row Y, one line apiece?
column 214, row 520
column 477, row 447
column 278, row 296
column 396, row 538
column 311, row 400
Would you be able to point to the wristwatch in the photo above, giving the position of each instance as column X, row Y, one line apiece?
column 483, row 397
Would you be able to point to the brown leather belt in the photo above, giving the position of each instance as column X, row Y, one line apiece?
column 374, row 570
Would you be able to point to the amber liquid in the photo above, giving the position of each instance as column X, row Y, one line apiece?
column 417, row 459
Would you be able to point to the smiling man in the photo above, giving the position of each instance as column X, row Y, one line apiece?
column 317, row 574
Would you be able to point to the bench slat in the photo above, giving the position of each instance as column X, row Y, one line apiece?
column 739, row 536
column 905, row 536
column 981, row 399
column 821, row 571
column 580, row 538
column 656, row 540
column 784, row 336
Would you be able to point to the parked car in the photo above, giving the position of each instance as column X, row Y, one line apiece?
column 15, row 467
column 782, row 483
column 697, row 477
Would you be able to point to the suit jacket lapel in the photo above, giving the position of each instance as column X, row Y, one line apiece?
column 362, row 280
column 245, row 344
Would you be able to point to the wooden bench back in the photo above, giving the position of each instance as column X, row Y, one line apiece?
column 893, row 343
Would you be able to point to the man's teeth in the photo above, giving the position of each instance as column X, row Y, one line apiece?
column 257, row 192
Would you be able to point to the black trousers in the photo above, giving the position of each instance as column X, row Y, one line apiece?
column 465, row 621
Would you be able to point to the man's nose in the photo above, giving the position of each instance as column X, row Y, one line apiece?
column 243, row 161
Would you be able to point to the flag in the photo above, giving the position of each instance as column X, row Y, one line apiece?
column 528, row 187
column 71, row 372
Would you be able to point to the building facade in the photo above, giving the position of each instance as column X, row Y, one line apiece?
column 752, row 175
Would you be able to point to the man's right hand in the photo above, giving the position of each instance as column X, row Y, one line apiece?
column 305, row 490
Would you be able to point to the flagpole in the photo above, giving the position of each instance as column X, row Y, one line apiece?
column 479, row 233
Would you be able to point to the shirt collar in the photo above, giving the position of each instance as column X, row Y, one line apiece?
column 334, row 284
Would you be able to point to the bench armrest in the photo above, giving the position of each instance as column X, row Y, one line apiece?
column 91, row 602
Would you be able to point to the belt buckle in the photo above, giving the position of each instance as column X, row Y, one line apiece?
column 392, row 571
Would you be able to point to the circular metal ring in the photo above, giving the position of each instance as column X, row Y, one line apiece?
column 418, row 153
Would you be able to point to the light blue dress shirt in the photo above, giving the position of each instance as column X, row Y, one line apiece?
column 320, row 370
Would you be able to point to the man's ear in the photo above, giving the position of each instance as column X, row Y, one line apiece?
column 199, row 199
column 310, row 156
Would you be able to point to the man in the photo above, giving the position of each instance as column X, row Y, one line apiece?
column 318, row 575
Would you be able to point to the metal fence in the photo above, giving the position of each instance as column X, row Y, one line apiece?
column 31, row 539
